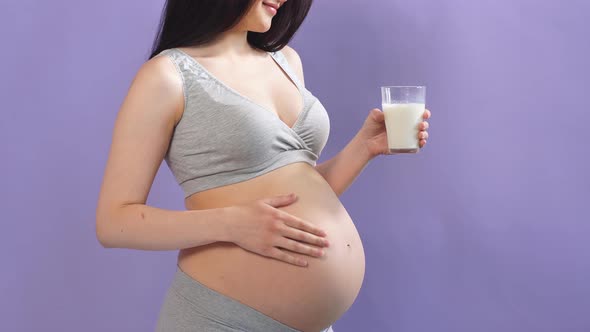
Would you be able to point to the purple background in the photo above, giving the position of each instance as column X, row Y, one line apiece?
column 484, row 230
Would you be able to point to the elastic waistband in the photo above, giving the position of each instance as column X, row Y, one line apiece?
column 223, row 308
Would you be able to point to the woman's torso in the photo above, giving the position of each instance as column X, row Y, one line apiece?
column 310, row 298
column 306, row 298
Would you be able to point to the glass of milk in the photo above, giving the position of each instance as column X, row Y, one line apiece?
column 403, row 107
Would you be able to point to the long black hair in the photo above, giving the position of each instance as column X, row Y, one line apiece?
column 196, row 22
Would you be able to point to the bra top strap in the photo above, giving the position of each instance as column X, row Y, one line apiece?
column 282, row 61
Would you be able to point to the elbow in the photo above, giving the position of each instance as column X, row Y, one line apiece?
column 103, row 234
column 105, row 223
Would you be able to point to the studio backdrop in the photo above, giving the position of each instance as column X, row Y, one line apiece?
column 486, row 229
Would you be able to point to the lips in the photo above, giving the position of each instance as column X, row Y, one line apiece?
column 273, row 5
column 271, row 8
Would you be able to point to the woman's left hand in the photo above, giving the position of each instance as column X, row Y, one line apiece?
column 375, row 137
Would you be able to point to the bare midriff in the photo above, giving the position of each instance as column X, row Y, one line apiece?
column 306, row 298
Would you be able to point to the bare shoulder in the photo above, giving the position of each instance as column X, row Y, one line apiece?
column 158, row 79
column 141, row 135
column 294, row 61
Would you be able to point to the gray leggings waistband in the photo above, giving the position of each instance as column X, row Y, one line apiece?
column 190, row 306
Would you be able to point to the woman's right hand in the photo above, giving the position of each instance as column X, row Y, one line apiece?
column 262, row 228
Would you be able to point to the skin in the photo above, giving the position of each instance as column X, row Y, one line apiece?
column 244, row 233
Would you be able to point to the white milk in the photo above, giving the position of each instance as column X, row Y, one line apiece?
column 401, row 124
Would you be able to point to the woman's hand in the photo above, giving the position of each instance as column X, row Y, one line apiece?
column 264, row 229
column 375, row 137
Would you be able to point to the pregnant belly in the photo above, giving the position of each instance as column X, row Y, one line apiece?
column 305, row 298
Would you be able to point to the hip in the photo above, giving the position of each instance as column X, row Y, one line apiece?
column 191, row 306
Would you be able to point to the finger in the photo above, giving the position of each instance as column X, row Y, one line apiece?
column 423, row 135
column 424, row 125
column 281, row 200
column 283, row 256
column 422, row 143
column 302, row 236
column 377, row 115
column 427, row 114
column 295, row 222
column 301, row 248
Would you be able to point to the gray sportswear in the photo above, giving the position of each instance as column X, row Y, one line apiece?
column 223, row 137
column 190, row 306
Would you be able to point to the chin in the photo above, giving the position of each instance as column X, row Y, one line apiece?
column 261, row 30
column 261, row 27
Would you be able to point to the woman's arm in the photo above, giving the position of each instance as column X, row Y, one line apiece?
column 342, row 169
column 371, row 141
column 141, row 135
column 143, row 227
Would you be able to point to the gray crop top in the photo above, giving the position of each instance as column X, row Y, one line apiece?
column 223, row 137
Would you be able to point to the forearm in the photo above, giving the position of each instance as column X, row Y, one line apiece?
column 139, row 226
column 344, row 168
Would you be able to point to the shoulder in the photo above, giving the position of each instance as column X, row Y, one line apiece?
column 291, row 54
column 159, row 79
column 294, row 61
column 161, row 73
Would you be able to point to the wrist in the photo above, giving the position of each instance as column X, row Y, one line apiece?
column 212, row 224
column 361, row 148
column 223, row 221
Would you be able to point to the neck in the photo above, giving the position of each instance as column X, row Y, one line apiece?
column 230, row 43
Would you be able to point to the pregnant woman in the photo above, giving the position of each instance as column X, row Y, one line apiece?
column 264, row 243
